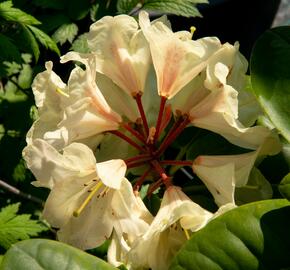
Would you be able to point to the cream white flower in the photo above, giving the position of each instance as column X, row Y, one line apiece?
column 46, row 88
column 221, row 174
column 74, row 112
column 126, row 235
column 177, row 59
column 212, row 104
column 122, row 51
column 87, row 200
column 165, row 235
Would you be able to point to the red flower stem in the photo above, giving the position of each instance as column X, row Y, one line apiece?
column 154, row 186
column 127, row 139
column 140, row 181
column 160, row 116
column 166, row 180
column 166, row 117
column 137, row 164
column 137, row 158
column 142, row 113
column 176, row 162
column 135, row 133
column 173, row 133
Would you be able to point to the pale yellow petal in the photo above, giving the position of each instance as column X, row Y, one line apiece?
column 122, row 51
column 176, row 60
column 111, row 172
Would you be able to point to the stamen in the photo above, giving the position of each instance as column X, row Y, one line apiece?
column 192, row 30
column 58, row 90
column 186, row 234
column 142, row 113
column 127, row 139
column 160, row 116
column 88, row 199
column 177, row 162
column 134, row 133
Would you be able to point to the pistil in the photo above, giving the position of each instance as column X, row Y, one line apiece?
column 88, row 199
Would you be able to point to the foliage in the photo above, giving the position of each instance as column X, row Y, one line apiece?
column 15, row 227
column 32, row 32
column 271, row 77
column 36, row 254
column 248, row 238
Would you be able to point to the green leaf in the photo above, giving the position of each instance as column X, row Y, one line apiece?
column 15, row 227
column 209, row 143
column 44, row 39
column 1, row 259
column 125, row 6
column 77, row 10
column 271, row 77
column 66, row 32
column 9, row 52
column 80, row 44
column 10, row 13
column 184, row 8
column 30, row 42
column 53, row 4
column 284, row 186
column 41, row 254
column 257, row 188
column 251, row 237
column 51, row 22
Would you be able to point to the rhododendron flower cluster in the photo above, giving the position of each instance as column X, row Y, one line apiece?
column 102, row 136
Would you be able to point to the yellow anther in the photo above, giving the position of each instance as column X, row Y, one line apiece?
column 58, row 90
column 186, row 234
column 192, row 30
column 88, row 199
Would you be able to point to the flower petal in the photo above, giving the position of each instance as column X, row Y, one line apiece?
column 122, row 51
column 218, row 113
column 221, row 174
column 111, row 172
column 176, row 58
column 49, row 166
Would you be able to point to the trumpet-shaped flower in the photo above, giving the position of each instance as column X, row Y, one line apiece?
column 87, row 200
column 134, row 110
column 168, row 231
column 221, row 174
column 122, row 51
column 81, row 112
column 176, row 58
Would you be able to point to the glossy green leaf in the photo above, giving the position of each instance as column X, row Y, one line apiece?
column 41, row 254
column 284, row 186
column 251, row 237
column 270, row 75
column 9, row 13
